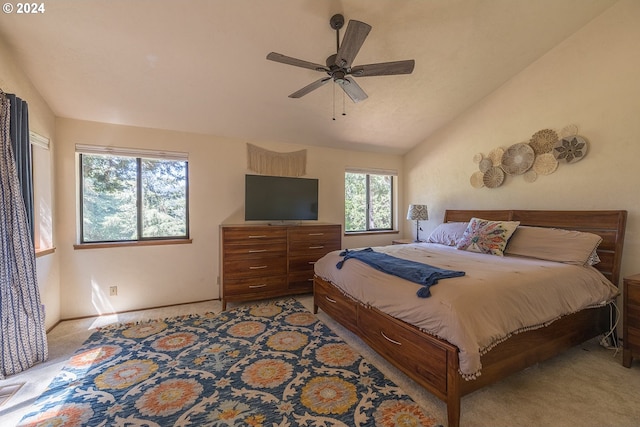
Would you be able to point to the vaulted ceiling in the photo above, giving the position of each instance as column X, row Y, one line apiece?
column 200, row 65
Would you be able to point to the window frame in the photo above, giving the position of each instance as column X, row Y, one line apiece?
column 139, row 156
column 392, row 196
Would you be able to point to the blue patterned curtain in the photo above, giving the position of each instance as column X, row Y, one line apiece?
column 23, row 340
column 20, row 144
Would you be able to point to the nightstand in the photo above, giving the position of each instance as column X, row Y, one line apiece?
column 402, row 241
column 631, row 320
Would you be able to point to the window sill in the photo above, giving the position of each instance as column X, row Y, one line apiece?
column 44, row 251
column 364, row 233
column 130, row 244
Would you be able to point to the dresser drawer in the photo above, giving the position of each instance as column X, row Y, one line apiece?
column 300, row 280
column 259, row 267
column 254, row 286
column 302, row 263
column 248, row 235
column 316, row 233
column 632, row 316
column 406, row 346
column 258, row 249
column 336, row 305
column 633, row 338
column 314, row 249
column 633, row 293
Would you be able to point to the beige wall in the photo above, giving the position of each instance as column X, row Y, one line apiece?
column 590, row 80
column 42, row 121
column 162, row 275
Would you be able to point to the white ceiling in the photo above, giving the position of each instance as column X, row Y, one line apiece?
column 200, row 65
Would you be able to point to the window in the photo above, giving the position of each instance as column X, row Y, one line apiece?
column 127, row 198
column 368, row 200
column 42, row 192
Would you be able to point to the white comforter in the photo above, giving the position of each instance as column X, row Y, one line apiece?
column 497, row 297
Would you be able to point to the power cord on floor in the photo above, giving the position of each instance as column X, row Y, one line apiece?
column 609, row 340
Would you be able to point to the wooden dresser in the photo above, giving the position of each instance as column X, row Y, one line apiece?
column 631, row 320
column 264, row 261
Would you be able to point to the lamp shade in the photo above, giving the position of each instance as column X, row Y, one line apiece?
column 417, row 213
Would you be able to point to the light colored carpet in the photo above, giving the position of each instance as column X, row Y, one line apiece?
column 586, row 386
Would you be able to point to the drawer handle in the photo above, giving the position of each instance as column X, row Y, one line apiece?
column 389, row 339
column 254, row 251
column 316, row 234
column 309, row 280
column 257, row 286
column 316, row 247
column 257, row 236
column 312, row 262
column 332, row 301
column 258, row 267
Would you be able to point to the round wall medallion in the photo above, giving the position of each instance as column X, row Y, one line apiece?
column 496, row 156
column 477, row 179
column 545, row 164
column 518, row 158
column 569, row 130
column 485, row 164
column 493, row 178
column 543, row 141
column 571, row 149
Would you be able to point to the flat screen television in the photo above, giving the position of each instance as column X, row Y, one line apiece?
column 278, row 198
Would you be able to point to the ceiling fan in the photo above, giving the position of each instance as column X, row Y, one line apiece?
column 339, row 65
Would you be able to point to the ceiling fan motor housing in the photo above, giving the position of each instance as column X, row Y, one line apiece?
column 337, row 21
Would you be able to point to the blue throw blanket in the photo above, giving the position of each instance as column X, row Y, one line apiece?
column 417, row 272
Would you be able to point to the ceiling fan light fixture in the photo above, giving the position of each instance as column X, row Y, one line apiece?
column 339, row 65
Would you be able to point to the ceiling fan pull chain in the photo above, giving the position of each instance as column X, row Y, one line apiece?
column 343, row 105
column 334, row 102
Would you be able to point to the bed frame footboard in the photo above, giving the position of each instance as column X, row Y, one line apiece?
column 433, row 363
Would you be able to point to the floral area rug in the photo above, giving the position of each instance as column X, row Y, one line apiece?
column 272, row 364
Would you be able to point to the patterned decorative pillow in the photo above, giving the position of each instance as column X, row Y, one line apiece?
column 487, row 237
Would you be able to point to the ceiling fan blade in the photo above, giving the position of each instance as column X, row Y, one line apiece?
column 352, row 89
column 278, row 57
column 352, row 41
column 308, row 88
column 384, row 68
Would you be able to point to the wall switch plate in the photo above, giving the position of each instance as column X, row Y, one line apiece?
column 113, row 291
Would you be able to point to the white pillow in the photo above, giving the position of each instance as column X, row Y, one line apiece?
column 448, row 233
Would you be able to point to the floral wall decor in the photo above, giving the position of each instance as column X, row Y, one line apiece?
column 540, row 155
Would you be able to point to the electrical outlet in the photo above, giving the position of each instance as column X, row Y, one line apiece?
column 113, row 291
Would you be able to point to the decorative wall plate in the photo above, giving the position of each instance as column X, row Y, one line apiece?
column 545, row 164
column 477, row 179
column 569, row 130
column 571, row 149
column 493, row 178
column 485, row 164
column 543, row 141
column 477, row 157
column 496, row 156
column 530, row 175
column 517, row 159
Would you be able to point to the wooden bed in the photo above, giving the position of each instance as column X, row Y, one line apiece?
column 433, row 362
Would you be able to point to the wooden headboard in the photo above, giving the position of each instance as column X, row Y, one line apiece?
column 610, row 225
